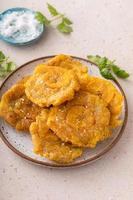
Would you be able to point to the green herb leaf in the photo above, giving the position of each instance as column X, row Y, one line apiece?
column 99, row 61
column 106, row 73
column 94, row 59
column 62, row 27
column 41, row 18
column 11, row 66
column 103, row 63
column 6, row 65
column 52, row 10
column 119, row 72
column 2, row 56
column 3, row 73
column 67, row 21
column 107, row 66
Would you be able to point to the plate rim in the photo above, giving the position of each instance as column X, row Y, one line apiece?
column 81, row 163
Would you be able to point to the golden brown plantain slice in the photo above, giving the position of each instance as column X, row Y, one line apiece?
column 108, row 92
column 23, row 80
column 16, row 109
column 84, row 121
column 68, row 62
column 51, row 86
column 47, row 144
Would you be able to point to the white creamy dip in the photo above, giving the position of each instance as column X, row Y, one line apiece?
column 20, row 25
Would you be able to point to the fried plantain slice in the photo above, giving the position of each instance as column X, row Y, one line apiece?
column 16, row 109
column 108, row 92
column 68, row 62
column 84, row 121
column 47, row 144
column 52, row 86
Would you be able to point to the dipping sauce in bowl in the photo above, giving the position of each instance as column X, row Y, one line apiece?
column 19, row 26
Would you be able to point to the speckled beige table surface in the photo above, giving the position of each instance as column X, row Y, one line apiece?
column 103, row 27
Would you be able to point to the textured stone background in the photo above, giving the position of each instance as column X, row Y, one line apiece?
column 103, row 27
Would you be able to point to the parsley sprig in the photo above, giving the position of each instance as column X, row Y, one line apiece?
column 108, row 69
column 63, row 22
column 6, row 66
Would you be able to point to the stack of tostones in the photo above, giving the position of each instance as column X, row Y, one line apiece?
column 83, row 121
column 68, row 62
column 50, row 85
column 109, row 93
column 47, row 144
column 17, row 109
column 65, row 109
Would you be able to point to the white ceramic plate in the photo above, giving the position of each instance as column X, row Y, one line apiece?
column 21, row 143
